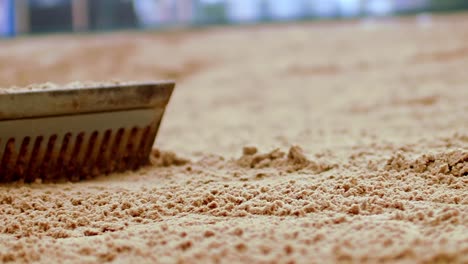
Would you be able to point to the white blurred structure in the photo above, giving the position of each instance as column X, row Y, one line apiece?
column 424, row 20
column 242, row 11
column 185, row 11
column 151, row 13
column 380, row 7
column 285, row 9
column 349, row 8
column 146, row 11
column 323, row 8
column 7, row 22
column 80, row 15
column 4, row 18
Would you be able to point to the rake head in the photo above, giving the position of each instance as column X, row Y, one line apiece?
column 78, row 133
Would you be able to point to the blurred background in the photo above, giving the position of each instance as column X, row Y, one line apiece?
column 41, row 16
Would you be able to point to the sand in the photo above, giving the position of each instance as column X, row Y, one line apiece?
column 297, row 143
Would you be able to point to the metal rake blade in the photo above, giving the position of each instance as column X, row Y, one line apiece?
column 78, row 133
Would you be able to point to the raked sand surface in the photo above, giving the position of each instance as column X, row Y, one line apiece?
column 298, row 143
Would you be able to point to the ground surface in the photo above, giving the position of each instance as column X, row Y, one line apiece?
column 361, row 136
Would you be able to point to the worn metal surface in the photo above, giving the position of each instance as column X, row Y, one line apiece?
column 53, row 102
column 80, row 133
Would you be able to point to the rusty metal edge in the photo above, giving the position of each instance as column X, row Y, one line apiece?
column 56, row 102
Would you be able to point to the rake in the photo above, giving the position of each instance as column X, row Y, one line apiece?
column 78, row 133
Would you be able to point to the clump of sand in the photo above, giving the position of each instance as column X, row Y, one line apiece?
column 166, row 158
column 295, row 160
column 453, row 162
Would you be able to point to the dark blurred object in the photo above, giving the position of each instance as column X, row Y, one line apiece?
column 211, row 12
column 57, row 15
column 50, row 15
column 447, row 5
column 112, row 14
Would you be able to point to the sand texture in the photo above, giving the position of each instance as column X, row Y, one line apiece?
column 298, row 143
